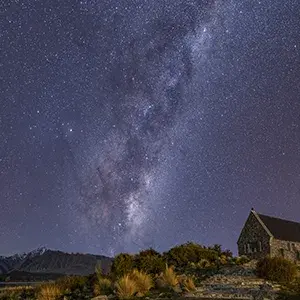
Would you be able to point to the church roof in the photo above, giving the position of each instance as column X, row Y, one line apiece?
column 282, row 229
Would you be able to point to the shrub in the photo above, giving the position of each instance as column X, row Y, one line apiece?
column 149, row 252
column 49, row 291
column 203, row 263
column 149, row 261
column 291, row 289
column 71, row 283
column 183, row 255
column 125, row 287
column 143, row 282
column 243, row 260
column 227, row 253
column 223, row 259
column 276, row 269
column 17, row 293
column 103, row 287
column 169, row 277
column 217, row 248
column 239, row 260
column 122, row 265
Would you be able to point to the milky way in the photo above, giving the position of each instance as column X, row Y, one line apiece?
column 134, row 124
column 149, row 82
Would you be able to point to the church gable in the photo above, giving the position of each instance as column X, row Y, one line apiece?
column 254, row 239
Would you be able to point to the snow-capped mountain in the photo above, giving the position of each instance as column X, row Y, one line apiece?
column 31, row 254
column 8, row 263
column 52, row 261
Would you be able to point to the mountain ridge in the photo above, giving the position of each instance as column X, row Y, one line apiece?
column 54, row 261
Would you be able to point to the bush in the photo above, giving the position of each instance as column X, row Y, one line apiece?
column 17, row 293
column 223, row 260
column 71, row 283
column 143, row 282
column 203, row 263
column 241, row 260
column 125, row 287
column 276, row 269
column 296, row 286
column 122, row 265
column 49, row 291
column 227, row 253
column 218, row 249
column 149, row 261
column 183, row 255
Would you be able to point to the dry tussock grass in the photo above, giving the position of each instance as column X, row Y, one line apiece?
column 169, row 277
column 49, row 291
column 143, row 282
column 125, row 287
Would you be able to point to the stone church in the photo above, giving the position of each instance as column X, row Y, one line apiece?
column 265, row 235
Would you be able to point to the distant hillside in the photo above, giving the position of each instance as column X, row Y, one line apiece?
column 22, row 276
column 44, row 260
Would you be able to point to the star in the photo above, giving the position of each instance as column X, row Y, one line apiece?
column 150, row 122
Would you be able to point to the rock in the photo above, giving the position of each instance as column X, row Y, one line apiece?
column 177, row 289
column 189, row 295
column 265, row 292
column 102, row 297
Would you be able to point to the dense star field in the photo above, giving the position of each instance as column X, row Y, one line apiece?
column 146, row 123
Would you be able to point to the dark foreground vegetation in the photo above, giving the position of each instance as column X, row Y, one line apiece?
column 175, row 273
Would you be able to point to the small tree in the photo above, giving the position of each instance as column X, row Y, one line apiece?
column 217, row 248
column 149, row 261
column 122, row 265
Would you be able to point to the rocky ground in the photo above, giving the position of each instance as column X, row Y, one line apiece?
column 235, row 282
column 238, row 282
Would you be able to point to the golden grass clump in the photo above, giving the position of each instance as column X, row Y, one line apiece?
column 143, row 282
column 125, row 287
column 169, row 277
column 103, row 287
column 188, row 284
column 49, row 291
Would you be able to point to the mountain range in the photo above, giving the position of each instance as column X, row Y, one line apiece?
column 46, row 261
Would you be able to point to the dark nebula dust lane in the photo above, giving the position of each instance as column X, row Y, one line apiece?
column 134, row 124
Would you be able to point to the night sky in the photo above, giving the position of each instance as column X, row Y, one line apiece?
column 128, row 124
